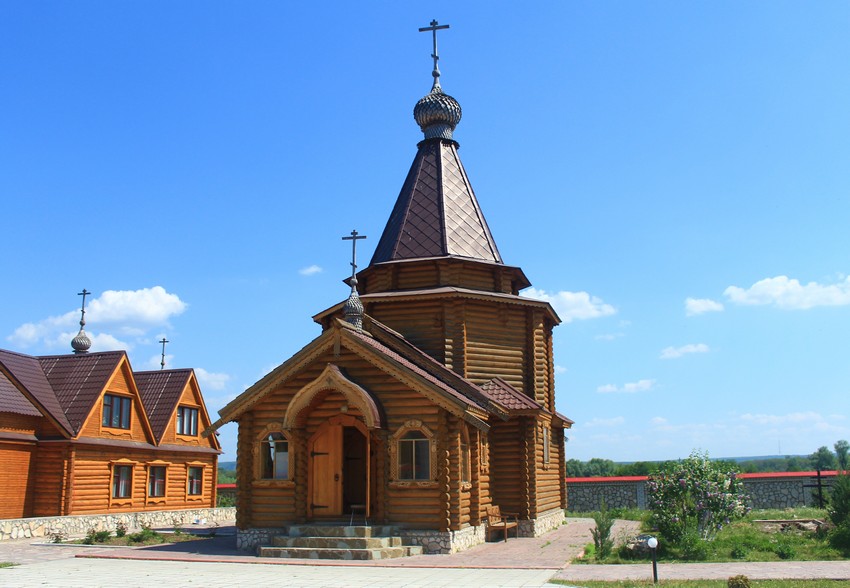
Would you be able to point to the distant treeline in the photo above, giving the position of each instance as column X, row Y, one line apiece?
column 598, row 467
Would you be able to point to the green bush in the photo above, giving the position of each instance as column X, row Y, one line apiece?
column 839, row 500
column 839, row 538
column 785, row 549
column 693, row 547
column 120, row 529
column 601, row 533
column 738, row 582
column 695, row 495
column 739, row 552
column 146, row 534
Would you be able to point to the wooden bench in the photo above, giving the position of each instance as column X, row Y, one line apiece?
column 498, row 520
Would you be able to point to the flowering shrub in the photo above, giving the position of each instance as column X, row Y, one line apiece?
column 694, row 495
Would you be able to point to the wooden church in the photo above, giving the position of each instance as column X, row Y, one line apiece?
column 429, row 396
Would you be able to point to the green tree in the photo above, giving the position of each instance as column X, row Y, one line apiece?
column 842, row 447
column 695, row 496
column 823, row 459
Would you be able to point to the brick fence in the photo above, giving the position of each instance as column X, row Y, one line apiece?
column 766, row 490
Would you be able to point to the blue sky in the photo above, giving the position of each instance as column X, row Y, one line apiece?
column 673, row 176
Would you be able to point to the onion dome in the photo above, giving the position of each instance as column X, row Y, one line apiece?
column 437, row 114
column 353, row 308
column 81, row 342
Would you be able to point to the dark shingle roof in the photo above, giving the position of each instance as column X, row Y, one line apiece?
column 508, row 396
column 11, row 399
column 160, row 391
column 78, row 381
column 436, row 213
column 28, row 372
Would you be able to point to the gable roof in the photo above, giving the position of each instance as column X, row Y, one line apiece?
column 161, row 391
column 436, row 213
column 78, row 381
column 26, row 374
column 515, row 401
column 401, row 360
column 12, row 400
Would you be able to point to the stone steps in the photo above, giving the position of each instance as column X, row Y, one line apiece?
column 338, row 542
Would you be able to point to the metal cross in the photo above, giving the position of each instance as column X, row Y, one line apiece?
column 435, row 26
column 354, row 238
column 162, row 363
column 84, row 293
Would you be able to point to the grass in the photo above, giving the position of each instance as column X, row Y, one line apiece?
column 706, row 583
column 140, row 538
column 740, row 541
column 7, row 564
column 626, row 514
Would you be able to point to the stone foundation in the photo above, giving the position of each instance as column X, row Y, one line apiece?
column 543, row 524
column 251, row 539
column 436, row 542
column 79, row 525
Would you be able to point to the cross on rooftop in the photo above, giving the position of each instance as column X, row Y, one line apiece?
column 354, row 238
column 435, row 26
column 162, row 363
column 84, row 293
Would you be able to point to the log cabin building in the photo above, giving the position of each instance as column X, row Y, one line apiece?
column 84, row 434
column 429, row 395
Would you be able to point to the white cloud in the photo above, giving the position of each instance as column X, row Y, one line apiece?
column 790, row 294
column 695, row 306
column 211, row 380
column 572, row 306
column 148, row 306
column 609, row 336
column 559, row 369
column 129, row 313
column 628, row 388
column 310, row 270
column 599, row 422
column 658, row 421
column 676, row 352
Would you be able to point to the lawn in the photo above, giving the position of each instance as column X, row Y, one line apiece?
column 743, row 540
column 706, row 584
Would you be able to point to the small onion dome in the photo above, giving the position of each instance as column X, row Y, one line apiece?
column 81, row 342
column 353, row 308
column 437, row 114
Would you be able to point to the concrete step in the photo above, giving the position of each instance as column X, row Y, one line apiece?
column 341, row 531
column 326, row 553
column 337, row 542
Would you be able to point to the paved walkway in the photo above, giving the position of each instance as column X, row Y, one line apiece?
column 216, row 562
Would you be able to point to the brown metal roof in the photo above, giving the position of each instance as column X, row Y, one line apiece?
column 11, row 399
column 29, row 374
column 78, row 380
column 436, row 213
column 161, row 391
column 508, row 396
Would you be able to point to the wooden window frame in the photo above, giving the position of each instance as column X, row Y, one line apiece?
column 547, row 446
column 113, row 468
column 465, row 458
column 180, row 424
column 257, row 451
column 195, row 466
column 395, row 456
column 151, row 466
column 123, row 401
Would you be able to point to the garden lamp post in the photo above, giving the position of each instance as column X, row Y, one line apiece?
column 652, row 542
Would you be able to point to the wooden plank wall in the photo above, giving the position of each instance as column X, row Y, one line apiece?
column 496, row 344
column 16, row 459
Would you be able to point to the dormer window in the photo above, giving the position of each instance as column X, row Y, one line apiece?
column 187, row 420
column 116, row 411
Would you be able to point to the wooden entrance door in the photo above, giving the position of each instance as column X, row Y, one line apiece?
column 326, row 472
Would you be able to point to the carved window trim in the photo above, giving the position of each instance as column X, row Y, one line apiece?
column 484, row 452
column 465, row 458
column 256, row 450
column 546, row 440
column 408, row 426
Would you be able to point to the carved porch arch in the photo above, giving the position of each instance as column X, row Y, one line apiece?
column 332, row 378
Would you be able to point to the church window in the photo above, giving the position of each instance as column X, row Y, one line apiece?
column 414, row 456
column 116, row 411
column 274, row 450
column 122, row 481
